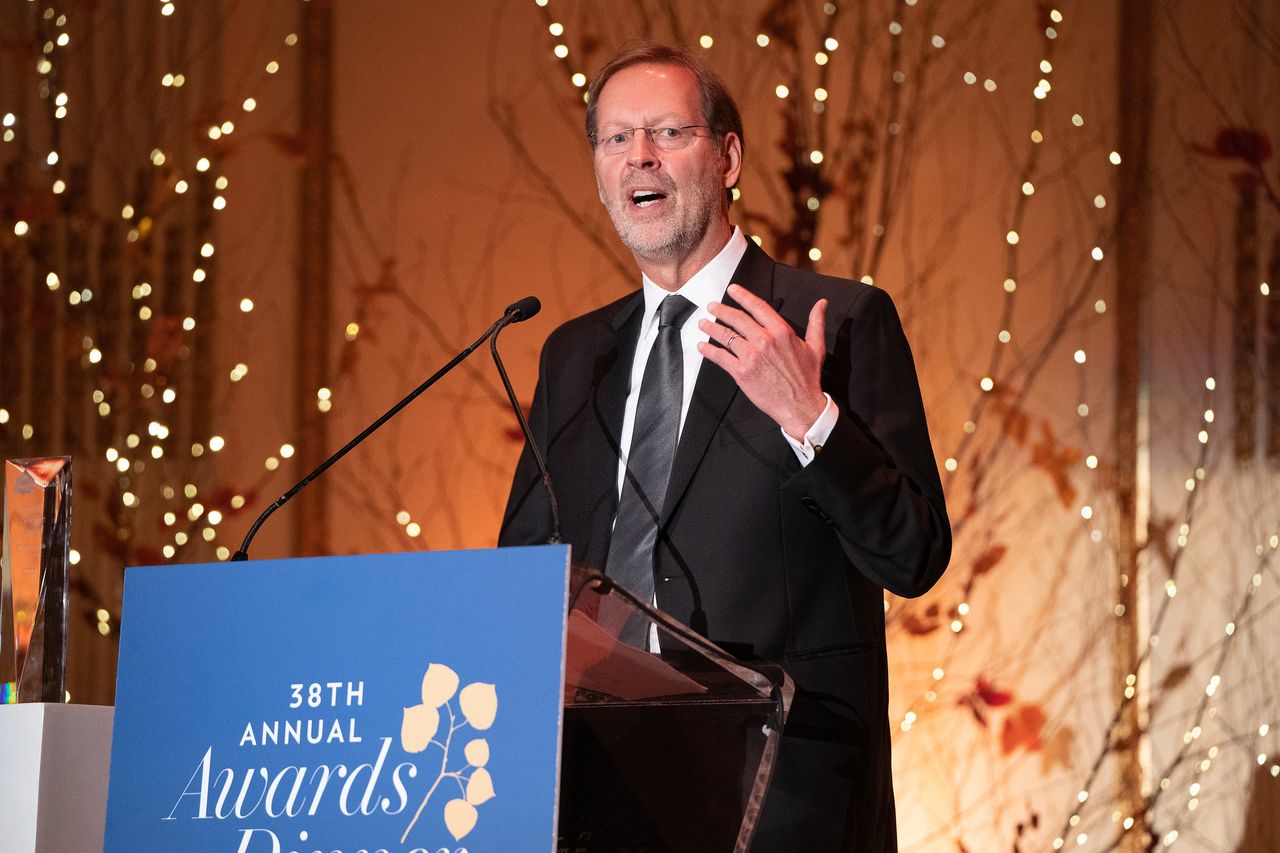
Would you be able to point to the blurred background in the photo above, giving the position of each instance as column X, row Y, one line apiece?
column 232, row 233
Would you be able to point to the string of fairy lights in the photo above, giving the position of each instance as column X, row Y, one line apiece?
column 1130, row 691
column 191, row 520
column 990, row 386
column 324, row 395
column 989, row 382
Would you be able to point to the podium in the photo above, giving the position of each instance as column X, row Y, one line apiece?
column 666, row 748
column 420, row 702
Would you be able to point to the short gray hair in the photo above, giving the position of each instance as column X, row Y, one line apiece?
column 719, row 110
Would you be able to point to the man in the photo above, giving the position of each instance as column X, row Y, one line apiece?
column 798, row 481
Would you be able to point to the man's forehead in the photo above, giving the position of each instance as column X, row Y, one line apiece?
column 650, row 92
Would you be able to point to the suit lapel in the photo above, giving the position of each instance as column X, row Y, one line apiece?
column 615, row 346
column 714, row 389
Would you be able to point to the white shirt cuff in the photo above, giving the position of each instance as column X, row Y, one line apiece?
column 817, row 435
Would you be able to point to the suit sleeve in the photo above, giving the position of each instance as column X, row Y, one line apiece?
column 527, row 519
column 876, row 482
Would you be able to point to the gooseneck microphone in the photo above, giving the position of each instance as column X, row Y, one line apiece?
column 534, row 307
column 516, row 312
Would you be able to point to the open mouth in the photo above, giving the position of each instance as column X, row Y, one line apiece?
column 645, row 198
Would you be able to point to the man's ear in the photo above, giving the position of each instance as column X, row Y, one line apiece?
column 732, row 159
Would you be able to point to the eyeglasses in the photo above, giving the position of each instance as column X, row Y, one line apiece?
column 664, row 138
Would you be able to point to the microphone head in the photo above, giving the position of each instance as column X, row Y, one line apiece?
column 523, row 309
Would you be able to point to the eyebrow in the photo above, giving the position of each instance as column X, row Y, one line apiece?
column 668, row 120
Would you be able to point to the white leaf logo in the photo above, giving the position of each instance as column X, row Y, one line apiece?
column 418, row 727
column 479, row 704
column 477, row 752
column 480, row 787
column 459, row 817
column 434, row 723
column 438, row 685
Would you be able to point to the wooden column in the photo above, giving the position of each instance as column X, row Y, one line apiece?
column 314, row 271
column 1271, row 355
column 1132, row 389
column 1244, row 319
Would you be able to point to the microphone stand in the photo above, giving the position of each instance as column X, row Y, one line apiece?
column 516, row 312
column 528, row 437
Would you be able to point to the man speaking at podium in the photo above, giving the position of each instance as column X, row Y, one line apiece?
column 743, row 443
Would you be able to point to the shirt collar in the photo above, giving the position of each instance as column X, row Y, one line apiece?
column 707, row 284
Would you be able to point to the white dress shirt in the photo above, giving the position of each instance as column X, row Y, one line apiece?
column 706, row 286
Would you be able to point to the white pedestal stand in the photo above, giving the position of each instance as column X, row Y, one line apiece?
column 54, row 761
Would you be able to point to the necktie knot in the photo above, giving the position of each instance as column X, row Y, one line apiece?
column 674, row 310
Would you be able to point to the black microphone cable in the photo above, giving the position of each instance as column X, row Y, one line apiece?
column 515, row 313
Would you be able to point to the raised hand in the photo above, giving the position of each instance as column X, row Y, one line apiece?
column 778, row 371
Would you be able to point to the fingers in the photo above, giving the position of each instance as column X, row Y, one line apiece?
column 733, row 320
column 759, row 310
column 760, row 315
column 721, row 334
column 736, row 326
column 816, row 333
column 718, row 356
column 756, row 323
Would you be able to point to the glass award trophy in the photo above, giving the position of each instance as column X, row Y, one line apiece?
column 34, row 581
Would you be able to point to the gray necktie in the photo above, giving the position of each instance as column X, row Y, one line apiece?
column 653, row 447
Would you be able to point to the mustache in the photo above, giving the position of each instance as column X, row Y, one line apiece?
column 648, row 181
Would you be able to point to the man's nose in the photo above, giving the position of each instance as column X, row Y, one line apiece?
column 642, row 153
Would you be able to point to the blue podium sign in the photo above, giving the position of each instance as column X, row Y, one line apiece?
column 405, row 703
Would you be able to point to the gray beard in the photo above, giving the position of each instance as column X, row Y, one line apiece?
column 674, row 239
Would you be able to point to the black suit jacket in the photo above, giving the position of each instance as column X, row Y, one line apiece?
column 764, row 556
